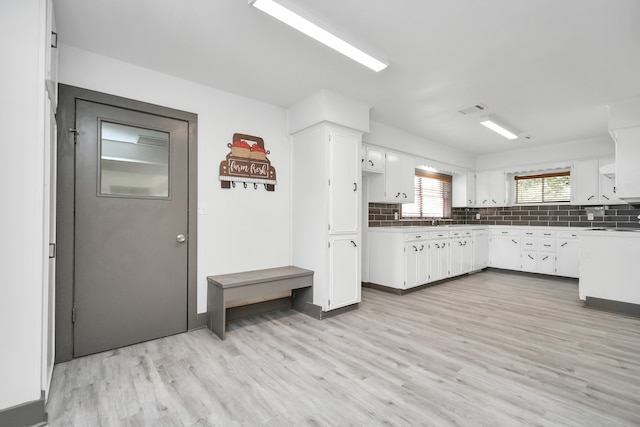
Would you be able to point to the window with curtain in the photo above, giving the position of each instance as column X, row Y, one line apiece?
column 432, row 196
column 543, row 188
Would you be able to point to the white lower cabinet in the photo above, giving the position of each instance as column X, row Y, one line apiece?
column 568, row 254
column 402, row 260
column 461, row 252
column 344, row 270
column 480, row 249
column 438, row 256
column 504, row 249
column 416, row 263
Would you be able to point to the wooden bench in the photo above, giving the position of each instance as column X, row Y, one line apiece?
column 226, row 288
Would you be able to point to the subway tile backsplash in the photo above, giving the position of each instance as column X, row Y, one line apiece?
column 615, row 216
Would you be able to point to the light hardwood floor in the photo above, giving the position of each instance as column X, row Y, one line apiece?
column 489, row 349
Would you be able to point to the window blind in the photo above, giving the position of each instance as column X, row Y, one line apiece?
column 543, row 188
column 432, row 197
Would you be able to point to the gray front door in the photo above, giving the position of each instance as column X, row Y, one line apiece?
column 131, row 221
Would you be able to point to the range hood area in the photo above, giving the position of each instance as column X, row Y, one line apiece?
column 624, row 128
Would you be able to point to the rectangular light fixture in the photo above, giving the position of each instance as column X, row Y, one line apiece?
column 491, row 123
column 306, row 26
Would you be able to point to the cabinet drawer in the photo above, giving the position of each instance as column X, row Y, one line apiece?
column 547, row 245
column 505, row 232
column 529, row 244
column 415, row 236
column 568, row 234
column 439, row 234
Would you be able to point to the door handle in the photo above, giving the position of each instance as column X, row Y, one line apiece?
column 181, row 238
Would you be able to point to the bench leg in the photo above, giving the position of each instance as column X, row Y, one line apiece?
column 217, row 315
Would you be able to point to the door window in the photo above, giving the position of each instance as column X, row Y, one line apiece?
column 134, row 161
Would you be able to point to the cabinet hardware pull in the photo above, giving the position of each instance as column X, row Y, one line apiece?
column 414, row 248
column 591, row 197
column 545, row 258
column 421, row 248
column 354, row 244
column 514, row 241
column 605, row 197
column 404, row 195
column 398, row 195
column 355, row 186
column 530, row 256
column 371, row 162
column 564, row 244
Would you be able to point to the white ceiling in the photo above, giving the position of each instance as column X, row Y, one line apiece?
column 546, row 67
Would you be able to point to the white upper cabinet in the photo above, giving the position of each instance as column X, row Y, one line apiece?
column 608, row 189
column 491, row 188
column 585, row 182
column 464, row 190
column 396, row 184
column 344, row 182
column 372, row 159
column 627, row 170
column 589, row 186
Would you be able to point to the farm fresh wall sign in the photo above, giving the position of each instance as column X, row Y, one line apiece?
column 247, row 163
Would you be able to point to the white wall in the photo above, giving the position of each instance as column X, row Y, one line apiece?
column 22, row 212
column 397, row 139
column 540, row 154
column 243, row 229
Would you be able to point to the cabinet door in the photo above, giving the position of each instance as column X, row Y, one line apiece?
column 373, row 160
column 463, row 190
column 584, row 182
column 438, row 260
column 627, row 155
column 344, row 185
column 480, row 249
column 344, row 272
column 423, row 262
column 455, row 254
column 483, row 190
column 410, row 265
column 607, row 184
column 467, row 255
column 399, row 178
column 546, row 263
column 504, row 252
column 568, row 253
column 529, row 261
column 497, row 188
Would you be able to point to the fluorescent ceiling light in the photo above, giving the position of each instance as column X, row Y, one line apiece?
column 307, row 27
column 490, row 123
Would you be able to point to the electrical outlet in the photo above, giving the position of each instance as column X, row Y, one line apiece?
column 589, row 217
column 478, row 216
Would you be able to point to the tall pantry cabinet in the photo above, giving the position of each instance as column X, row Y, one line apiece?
column 326, row 211
column 326, row 206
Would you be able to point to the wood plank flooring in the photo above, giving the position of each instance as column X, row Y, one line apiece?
column 489, row 349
